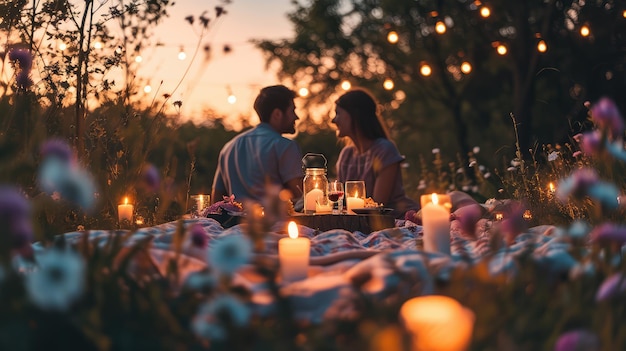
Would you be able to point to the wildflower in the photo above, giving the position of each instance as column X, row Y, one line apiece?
column 611, row 287
column 150, row 177
column 211, row 317
column 605, row 193
column 578, row 340
column 421, row 185
column 553, row 156
column 608, row 232
column 15, row 220
column 577, row 184
column 229, row 253
column 473, row 163
column 57, row 148
column 487, row 175
column 515, row 162
column 511, row 169
column 24, row 63
column 513, row 223
column 590, row 143
column 198, row 236
column 616, row 150
column 71, row 182
column 58, row 281
column 436, row 151
column 476, row 149
column 606, row 115
column 468, row 216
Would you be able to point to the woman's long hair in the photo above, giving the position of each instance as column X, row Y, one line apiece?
column 363, row 110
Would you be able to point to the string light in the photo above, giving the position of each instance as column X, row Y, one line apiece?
column 62, row 46
column 466, row 67
column 97, row 45
column 147, row 89
column 541, row 46
column 501, row 49
column 485, row 12
column 138, row 58
column 392, row 37
column 232, row 99
column 585, row 31
column 345, row 85
column 303, row 92
column 388, row 84
column 425, row 70
column 181, row 54
column 624, row 14
column 440, row 27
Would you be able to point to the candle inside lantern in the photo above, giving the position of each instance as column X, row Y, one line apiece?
column 125, row 211
column 311, row 198
column 437, row 323
column 436, row 224
column 293, row 255
column 321, row 207
column 355, row 195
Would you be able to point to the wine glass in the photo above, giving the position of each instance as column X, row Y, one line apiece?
column 335, row 195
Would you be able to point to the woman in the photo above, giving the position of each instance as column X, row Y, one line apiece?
column 370, row 155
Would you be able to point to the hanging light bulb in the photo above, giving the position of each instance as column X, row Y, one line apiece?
column 303, row 92
column 97, row 45
column 62, row 46
column 485, row 12
column 392, row 37
column 388, row 84
column 440, row 27
column 232, row 99
column 138, row 58
column 541, row 46
column 585, row 31
column 181, row 54
column 501, row 49
column 425, row 70
column 147, row 89
column 466, row 67
column 345, row 85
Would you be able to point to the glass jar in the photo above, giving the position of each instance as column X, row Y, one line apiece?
column 315, row 183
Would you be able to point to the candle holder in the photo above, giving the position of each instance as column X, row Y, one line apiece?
column 355, row 195
column 199, row 203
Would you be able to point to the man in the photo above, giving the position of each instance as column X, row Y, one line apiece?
column 261, row 156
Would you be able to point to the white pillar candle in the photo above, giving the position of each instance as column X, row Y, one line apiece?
column 436, row 225
column 311, row 198
column 125, row 211
column 293, row 255
column 437, row 323
column 323, row 208
column 354, row 202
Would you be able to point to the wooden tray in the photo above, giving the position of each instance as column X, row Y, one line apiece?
column 365, row 223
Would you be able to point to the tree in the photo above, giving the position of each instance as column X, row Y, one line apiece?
column 470, row 68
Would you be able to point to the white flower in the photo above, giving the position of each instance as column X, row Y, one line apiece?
column 58, row 280
column 465, row 188
column 511, row 169
column 476, row 149
column 473, row 163
column 229, row 253
column 206, row 323
column 487, row 175
column 553, row 156
column 459, row 170
column 436, row 150
column 515, row 162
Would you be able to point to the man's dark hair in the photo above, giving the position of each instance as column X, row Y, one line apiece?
column 273, row 97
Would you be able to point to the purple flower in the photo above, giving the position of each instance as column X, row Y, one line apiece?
column 23, row 58
column 611, row 233
column 198, row 236
column 577, row 184
column 578, row 340
column 150, row 177
column 590, row 143
column 513, row 223
column 468, row 216
column 611, row 287
column 15, row 218
column 57, row 148
column 606, row 115
column 605, row 193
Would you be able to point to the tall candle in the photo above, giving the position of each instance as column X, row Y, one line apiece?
column 293, row 255
column 436, row 225
column 125, row 211
column 310, row 199
column 354, row 202
column 437, row 323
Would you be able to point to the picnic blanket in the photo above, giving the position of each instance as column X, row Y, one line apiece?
column 338, row 257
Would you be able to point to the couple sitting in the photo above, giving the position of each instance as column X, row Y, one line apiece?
column 262, row 156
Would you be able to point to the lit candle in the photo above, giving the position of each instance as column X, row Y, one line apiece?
column 354, row 202
column 293, row 255
column 437, row 323
column 125, row 211
column 323, row 208
column 311, row 198
column 436, row 225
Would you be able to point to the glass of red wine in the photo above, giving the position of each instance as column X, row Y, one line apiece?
column 335, row 195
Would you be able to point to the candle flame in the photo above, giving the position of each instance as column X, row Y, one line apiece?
column 126, row 201
column 435, row 199
column 551, row 185
column 356, row 194
column 293, row 230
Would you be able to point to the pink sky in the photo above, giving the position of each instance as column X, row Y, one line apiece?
column 243, row 70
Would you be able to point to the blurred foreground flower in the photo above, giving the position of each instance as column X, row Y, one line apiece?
column 58, row 280
column 607, row 117
column 578, row 340
column 612, row 286
column 212, row 316
column 609, row 233
column 15, row 221
column 150, row 178
column 23, row 60
column 198, row 236
column 229, row 253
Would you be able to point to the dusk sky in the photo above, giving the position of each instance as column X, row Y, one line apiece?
column 241, row 72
